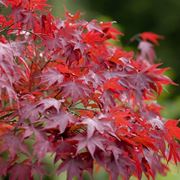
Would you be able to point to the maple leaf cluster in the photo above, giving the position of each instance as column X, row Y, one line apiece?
column 66, row 90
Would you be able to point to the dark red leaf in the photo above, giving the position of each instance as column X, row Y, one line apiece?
column 75, row 166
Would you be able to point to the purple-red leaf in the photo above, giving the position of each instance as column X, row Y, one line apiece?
column 75, row 166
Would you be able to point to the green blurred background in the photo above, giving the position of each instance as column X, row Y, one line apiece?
column 132, row 17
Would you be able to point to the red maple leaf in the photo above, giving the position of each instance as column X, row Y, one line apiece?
column 20, row 171
column 173, row 129
column 65, row 87
column 75, row 166
column 150, row 36
column 90, row 142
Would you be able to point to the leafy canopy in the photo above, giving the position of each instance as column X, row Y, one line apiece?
column 66, row 88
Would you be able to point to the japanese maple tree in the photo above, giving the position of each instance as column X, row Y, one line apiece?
column 69, row 91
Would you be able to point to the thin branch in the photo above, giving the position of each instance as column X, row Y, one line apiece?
column 6, row 115
column 6, row 28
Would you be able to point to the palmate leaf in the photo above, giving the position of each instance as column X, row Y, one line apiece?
column 10, row 71
column 96, row 124
column 94, row 26
column 25, row 170
column 173, row 129
column 52, row 76
column 68, row 90
column 20, row 172
column 75, row 166
column 34, row 111
column 96, row 79
column 29, row 111
column 113, row 84
column 75, row 90
column 116, row 167
column 92, row 125
column 90, row 142
column 63, row 150
column 107, row 100
column 41, row 146
column 48, row 103
column 150, row 36
column 13, row 145
column 59, row 120
column 7, row 61
column 110, row 31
